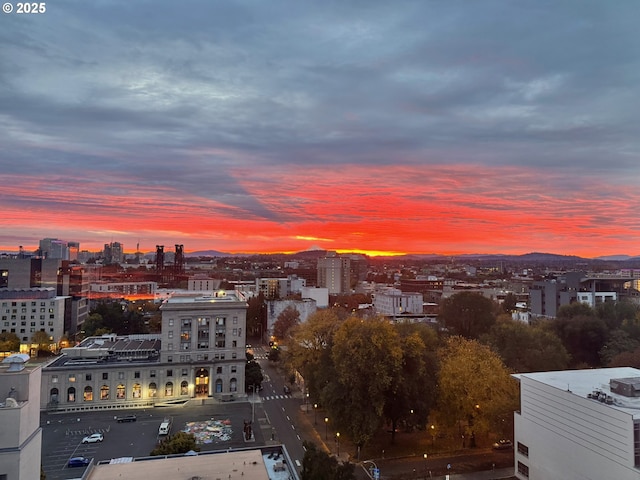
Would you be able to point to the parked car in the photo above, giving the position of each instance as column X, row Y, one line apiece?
column 126, row 418
column 287, row 390
column 96, row 437
column 78, row 462
column 503, row 444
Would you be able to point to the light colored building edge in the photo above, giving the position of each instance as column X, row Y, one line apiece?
column 20, row 435
column 254, row 464
column 199, row 354
column 578, row 424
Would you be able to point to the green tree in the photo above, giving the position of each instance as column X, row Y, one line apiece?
column 525, row 348
column 9, row 342
column 286, row 321
column 310, row 349
column 252, row 375
column 626, row 359
column 256, row 315
column 412, row 392
column 469, row 314
column 583, row 336
column 318, row 465
column 615, row 314
column 619, row 342
column 367, row 357
column 476, row 391
column 181, row 442
column 509, row 302
column 92, row 324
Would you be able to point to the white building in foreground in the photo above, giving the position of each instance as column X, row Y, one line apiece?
column 579, row 424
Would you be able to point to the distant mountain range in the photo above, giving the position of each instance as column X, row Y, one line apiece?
column 536, row 257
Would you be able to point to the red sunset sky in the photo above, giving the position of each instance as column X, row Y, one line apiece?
column 430, row 128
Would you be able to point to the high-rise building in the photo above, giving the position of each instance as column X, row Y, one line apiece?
column 54, row 248
column 334, row 273
column 113, row 253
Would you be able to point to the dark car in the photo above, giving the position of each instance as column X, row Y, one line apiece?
column 78, row 462
column 287, row 390
column 503, row 445
column 126, row 418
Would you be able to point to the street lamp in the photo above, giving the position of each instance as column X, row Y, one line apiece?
column 424, row 455
column 306, row 401
column 315, row 414
column 433, row 434
column 326, row 421
column 338, row 442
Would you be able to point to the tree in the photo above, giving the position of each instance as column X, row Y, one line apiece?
column 583, row 336
column 310, row 349
column 626, row 359
column 41, row 339
column 366, row 357
column 619, row 342
column 92, row 324
column 252, row 375
column 476, row 391
column 9, row 342
column 288, row 318
column 181, row 442
column 318, row 465
column 524, row 348
column 615, row 314
column 469, row 314
column 256, row 315
column 509, row 302
column 412, row 391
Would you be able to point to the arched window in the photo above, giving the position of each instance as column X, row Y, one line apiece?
column 219, row 385
column 71, row 394
column 121, row 392
column 168, row 389
column 233, row 386
column 53, row 395
column 153, row 390
column 137, row 390
column 88, row 394
column 184, row 388
column 104, row 392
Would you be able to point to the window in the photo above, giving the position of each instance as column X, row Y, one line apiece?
column 168, row 389
column 219, row 385
column 136, row 374
column 54, row 378
column 169, row 372
column 636, row 443
column 152, row 373
column 185, row 372
column 184, row 388
column 235, row 320
column 153, row 390
column 171, row 322
column 523, row 449
column 120, row 375
column 170, row 358
column 53, row 395
column 170, row 346
column 235, row 332
column 104, row 392
column 71, row 394
column 233, row 385
column 523, row 469
column 219, row 370
column 170, row 333
column 121, row 392
column 72, row 377
column 137, row 390
column 105, row 376
column 233, row 369
column 88, row 394
column 87, row 377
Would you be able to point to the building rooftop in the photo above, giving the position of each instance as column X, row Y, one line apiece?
column 254, row 464
column 595, row 384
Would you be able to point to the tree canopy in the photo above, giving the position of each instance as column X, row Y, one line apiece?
column 9, row 342
column 469, row 314
column 318, row 465
column 286, row 321
column 180, row 442
column 476, row 391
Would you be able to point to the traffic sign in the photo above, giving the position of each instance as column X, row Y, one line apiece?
column 376, row 474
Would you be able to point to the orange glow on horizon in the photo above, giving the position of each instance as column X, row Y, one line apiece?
column 378, row 211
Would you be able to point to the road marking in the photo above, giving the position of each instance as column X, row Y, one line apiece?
column 288, row 418
column 298, row 437
column 298, row 461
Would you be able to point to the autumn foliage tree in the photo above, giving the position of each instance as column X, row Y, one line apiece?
column 288, row 318
column 476, row 392
column 469, row 314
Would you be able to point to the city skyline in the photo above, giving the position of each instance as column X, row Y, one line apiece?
column 376, row 127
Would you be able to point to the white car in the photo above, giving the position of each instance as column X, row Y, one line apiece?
column 96, row 437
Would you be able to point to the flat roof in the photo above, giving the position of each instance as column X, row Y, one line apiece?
column 585, row 382
column 245, row 464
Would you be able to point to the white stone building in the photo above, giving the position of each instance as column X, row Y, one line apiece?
column 578, row 425
column 394, row 302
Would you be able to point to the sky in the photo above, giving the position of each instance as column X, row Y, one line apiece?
column 376, row 126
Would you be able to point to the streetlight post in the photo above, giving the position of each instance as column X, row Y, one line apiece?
column 338, row 442
column 326, row 421
column 306, row 401
column 315, row 414
column 425, row 464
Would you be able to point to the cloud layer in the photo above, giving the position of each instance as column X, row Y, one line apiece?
column 407, row 126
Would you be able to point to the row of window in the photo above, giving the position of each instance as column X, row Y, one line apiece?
column 136, row 391
column 24, row 304
column 72, row 377
column 24, row 324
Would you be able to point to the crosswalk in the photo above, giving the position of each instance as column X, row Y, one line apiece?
column 275, row 397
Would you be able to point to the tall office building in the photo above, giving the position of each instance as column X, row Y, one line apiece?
column 54, row 248
column 113, row 252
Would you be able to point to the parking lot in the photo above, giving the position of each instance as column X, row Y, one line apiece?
column 63, row 433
